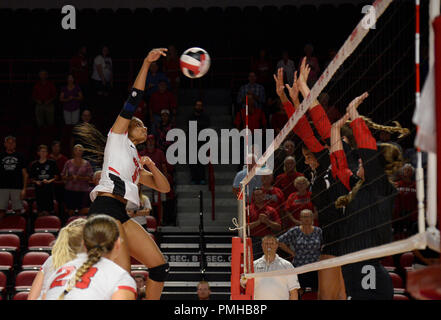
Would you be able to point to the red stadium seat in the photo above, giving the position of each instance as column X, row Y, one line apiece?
column 9, row 242
column 406, row 261
column 6, row 261
column 22, row 295
column 34, row 260
column 3, row 280
column 398, row 296
column 72, row 218
column 151, row 224
column 24, row 279
column 47, row 224
column 388, row 263
column 13, row 224
column 136, row 265
column 312, row 295
column 41, row 242
column 397, row 282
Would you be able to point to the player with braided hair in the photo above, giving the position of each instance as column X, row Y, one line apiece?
column 67, row 245
column 94, row 275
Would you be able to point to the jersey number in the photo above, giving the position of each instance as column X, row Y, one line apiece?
column 83, row 283
column 135, row 174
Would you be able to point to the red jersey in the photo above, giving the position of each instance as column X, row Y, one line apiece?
column 274, row 198
column 406, row 200
column 295, row 204
column 256, row 119
column 262, row 229
column 285, row 183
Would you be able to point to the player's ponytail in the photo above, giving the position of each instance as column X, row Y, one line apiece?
column 100, row 234
column 92, row 140
column 404, row 132
column 343, row 201
column 69, row 242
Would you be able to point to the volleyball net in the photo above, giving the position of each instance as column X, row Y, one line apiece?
column 382, row 57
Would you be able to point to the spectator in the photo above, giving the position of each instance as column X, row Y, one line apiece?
column 288, row 67
column 279, row 118
column 154, row 153
column 77, row 173
column 172, row 68
column 161, row 129
column 284, row 181
column 13, row 177
column 153, row 79
column 256, row 116
column 43, row 173
column 44, row 93
column 274, row 197
column 102, row 75
column 160, row 100
column 406, row 204
column 140, row 212
column 140, row 286
column 331, row 111
column 60, row 159
column 255, row 182
column 262, row 68
column 287, row 149
column 197, row 170
column 71, row 97
column 303, row 243
column 263, row 220
column 311, row 61
column 297, row 202
column 203, row 290
column 79, row 67
column 86, row 116
column 332, row 52
column 252, row 88
column 274, row 288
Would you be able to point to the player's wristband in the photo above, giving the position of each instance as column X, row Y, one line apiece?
column 131, row 104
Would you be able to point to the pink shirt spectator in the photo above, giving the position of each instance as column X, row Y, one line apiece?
column 85, row 170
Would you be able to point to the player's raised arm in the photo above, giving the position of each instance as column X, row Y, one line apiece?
column 121, row 124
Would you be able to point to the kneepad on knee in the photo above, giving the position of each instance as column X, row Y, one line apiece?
column 159, row 273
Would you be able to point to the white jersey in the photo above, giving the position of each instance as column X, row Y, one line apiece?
column 274, row 288
column 99, row 283
column 121, row 167
column 48, row 270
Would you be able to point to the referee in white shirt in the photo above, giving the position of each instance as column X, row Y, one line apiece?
column 274, row 288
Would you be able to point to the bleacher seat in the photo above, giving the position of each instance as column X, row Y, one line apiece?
column 22, row 295
column 24, row 279
column 388, row 263
column 398, row 296
column 406, row 261
column 50, row 224
column 136, row 265
column 41, row 242
column 309, row 295
column 143, row 273
column 13, row 224
column 397, row 282
column 72, row 218
column 34, row 260
column 151, row 224
column 6, row 261
column 3, row 281
column 9, row 242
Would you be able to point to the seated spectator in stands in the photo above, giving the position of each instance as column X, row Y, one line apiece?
column 257, row 91
column 86, row 116
column 203, row 290
column 263, row 69
column 279, row 118
column 154, row 153
column 284, row 181
column 71, row 97
column 197, row 170
column 256, row 116
column 287, row 149
column 44, row 94
column 161, row 129
column 79, row 67
column 274, row 288
column 96, row 177
column 60, row 159
column 77, row 173
column 312, row 61
column 406, row 203
column 274, row 197
column 140, row 286
column 43, row 173
column 171, row 66
column 263, row 220
column 160, row 100
column 102, row 74
column 331, row 111
column 154, row 77
column 139, row 213
column 255, row 182
column 13, row 177
column 303, row 243
column 288, row 67
column 297, row 202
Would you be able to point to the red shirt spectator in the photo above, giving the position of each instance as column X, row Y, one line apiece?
column 156, row 154
column 263, row 218
column 256, row 117
column 406, row 201
column 162, row 99
column 79, row 67
column 285, row 181
column 44, row 91
column 274, row 197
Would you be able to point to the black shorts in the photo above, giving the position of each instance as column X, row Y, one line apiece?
column 309, row 280
column 110, row 206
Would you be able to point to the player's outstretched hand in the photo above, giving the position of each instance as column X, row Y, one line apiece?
column 294, row 89
column 155, row 54
column 279, row 82
column 353, row 105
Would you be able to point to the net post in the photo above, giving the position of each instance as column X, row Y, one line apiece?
column 238, row 262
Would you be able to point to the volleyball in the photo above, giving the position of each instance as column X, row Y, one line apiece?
column 195, row 62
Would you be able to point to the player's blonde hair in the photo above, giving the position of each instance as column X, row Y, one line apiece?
column 69, row 243
column 99, row 235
